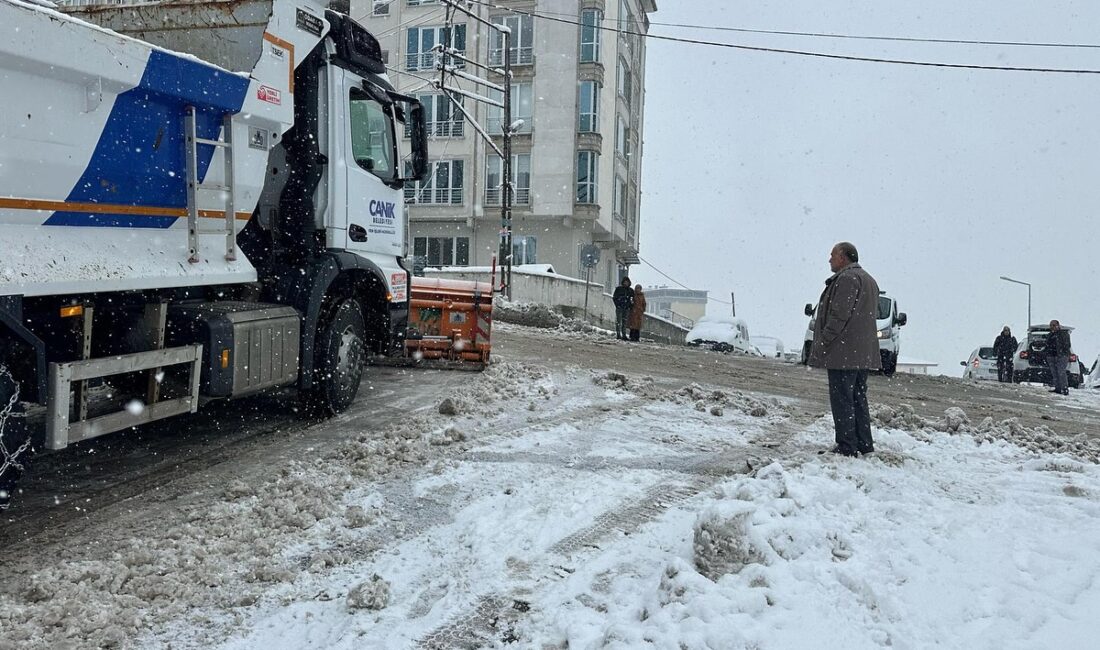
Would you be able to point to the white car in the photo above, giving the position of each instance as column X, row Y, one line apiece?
column 722, row 334
column 888, row 322
column 1030, row 362
column 981, row 365
column 769, row 346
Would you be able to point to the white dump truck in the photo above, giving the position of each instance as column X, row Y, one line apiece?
column 198, row 200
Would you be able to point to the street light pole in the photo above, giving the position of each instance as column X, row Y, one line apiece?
column 1028, row 285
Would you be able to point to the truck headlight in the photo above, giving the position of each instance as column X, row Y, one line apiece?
column 885, row 334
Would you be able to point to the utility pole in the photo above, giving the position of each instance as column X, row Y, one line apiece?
column 733, row 305
column 448, row 84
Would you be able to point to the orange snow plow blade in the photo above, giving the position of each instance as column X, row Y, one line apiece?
column 450, row 320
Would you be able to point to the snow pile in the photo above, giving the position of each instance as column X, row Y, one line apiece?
column 968, row 546
column 531, row 314
column 1038, row 439
column 219, row 557
column 528, row 314
column 371, row 594
column 704, row 399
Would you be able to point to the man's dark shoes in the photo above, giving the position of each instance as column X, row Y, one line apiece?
column 840, row 451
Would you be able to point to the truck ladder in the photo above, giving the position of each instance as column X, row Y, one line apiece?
column 192, row 142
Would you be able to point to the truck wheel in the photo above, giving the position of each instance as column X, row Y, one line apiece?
column 15, row 441
column 338, row 362
column 889, row 363
column 1017, row 378
column 806, row 353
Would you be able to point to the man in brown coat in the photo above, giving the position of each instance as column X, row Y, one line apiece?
column 845, row 343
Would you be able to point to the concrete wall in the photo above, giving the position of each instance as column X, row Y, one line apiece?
column 566, row 295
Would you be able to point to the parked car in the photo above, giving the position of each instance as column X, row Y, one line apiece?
column 888, row 322
column 1030, row 363
column 1093, row 373
column 769, row 346
column 722, row 334
column 981, row 365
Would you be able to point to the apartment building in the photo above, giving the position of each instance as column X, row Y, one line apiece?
column 577, row 86
column 682, row 306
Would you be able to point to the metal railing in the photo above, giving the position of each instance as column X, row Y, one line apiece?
column 516, row 56
column 522, row 196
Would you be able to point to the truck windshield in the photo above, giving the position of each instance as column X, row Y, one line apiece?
column 885, row 305
column 371, row 136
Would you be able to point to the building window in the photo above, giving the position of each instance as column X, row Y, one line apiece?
column 443, row 187
column 417, row 3
column 627, row 28
column 386, row 57
column 521, row 179
column 524, row 249
column 622, row 137
column 381, row 7
column 588, row 163
column 421, row 41
column 589, row 107
column 523, row 40
column 522, row 109
column 442, row 251
column 620, row 199
column 590, row 35
column 625, row 84
column 442, row 117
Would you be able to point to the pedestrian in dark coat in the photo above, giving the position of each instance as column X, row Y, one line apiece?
column 624, row 300
column 1058, row 350
column 1004, row 346
column 846, row 344
column 637, row 314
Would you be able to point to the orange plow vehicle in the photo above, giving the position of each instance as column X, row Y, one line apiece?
column 450, row 321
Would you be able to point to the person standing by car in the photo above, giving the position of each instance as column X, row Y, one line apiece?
column 637, row 314
column 624, row 300
column 1004, row 346
column 846, row 344
column 1058, row 351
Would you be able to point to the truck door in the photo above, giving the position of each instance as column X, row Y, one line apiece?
column 375, row 206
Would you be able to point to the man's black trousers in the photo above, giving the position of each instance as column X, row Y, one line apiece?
column 851, row 416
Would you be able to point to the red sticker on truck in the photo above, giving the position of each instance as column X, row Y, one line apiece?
column 270, row 95
column 397, row 286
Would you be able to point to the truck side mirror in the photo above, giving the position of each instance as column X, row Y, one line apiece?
column 962, row 363
column 901, row 319
column 419, row 137
column 809, row 309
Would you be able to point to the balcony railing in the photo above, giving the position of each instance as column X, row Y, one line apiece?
column 426, row 61
column 516, row 56
column 429, row 196
column 522, row 196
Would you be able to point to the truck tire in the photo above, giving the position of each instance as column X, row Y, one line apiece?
column 889, row 364
column 806, row 353
column 341, row 350
column 15, row 442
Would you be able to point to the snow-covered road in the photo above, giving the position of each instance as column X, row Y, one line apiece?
column 550, row 505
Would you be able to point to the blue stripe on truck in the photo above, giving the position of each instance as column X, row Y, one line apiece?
column 139, row 159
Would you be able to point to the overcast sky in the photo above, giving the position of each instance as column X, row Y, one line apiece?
column 756, row 163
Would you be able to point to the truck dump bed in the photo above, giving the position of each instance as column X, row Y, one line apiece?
column 93, row 138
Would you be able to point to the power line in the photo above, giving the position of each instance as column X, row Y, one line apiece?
column 808, row 53
column 860, row 37
column 672, row 279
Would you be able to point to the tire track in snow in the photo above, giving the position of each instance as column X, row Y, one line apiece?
column 493, row 616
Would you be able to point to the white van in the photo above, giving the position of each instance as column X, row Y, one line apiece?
column 888, row 322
